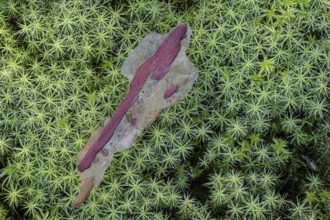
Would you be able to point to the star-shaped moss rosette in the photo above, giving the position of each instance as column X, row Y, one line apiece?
column 160, row 74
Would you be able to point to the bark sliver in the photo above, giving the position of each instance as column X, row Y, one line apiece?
column 170, row 84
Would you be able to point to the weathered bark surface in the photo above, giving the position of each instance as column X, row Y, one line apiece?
column 167, row 77
column 157, row 65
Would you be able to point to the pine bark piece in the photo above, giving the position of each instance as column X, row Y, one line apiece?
column 157, row 65
column 160, row 74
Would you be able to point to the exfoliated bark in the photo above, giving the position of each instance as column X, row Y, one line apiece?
column 160, row 74
column 158, row 65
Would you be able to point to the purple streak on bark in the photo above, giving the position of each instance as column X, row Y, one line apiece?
column 171, row 90
column 167, row 51
column 133, row 122
column 158, row 64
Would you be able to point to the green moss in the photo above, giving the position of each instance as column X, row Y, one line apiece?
column 234, row 148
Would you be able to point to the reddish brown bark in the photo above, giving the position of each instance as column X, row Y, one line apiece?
column 157, row 65
column 171, row 90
